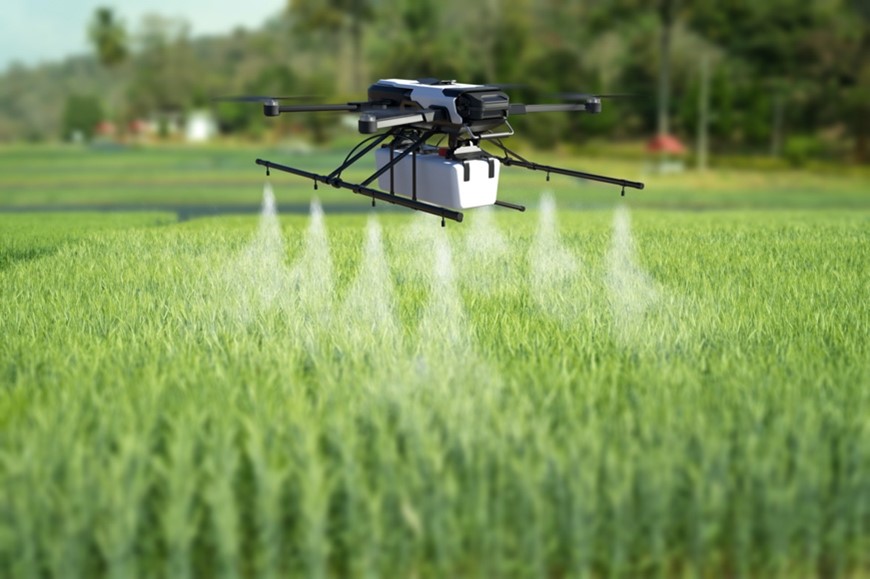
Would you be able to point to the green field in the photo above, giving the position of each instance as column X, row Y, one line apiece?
column 596, row 390
column 179, row 176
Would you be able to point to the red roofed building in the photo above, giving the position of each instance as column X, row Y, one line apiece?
column 105, row 129
column 668, row 144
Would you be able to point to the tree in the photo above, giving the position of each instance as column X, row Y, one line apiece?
column 337, row 17
column 109, row 37
column 165, row 76
column 81, row 116
column 666, row 10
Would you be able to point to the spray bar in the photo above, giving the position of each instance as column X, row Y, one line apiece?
column 509, row 205
column 512, row 158
column 571, row 173
column 366, row 191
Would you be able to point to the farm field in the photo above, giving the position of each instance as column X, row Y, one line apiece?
column 222, row 176
column 591, row 388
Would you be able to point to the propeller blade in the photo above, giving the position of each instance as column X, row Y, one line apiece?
column 523, row 109
column 350, row 107
column 582, row 96
column 507, row 85
column 258, row 99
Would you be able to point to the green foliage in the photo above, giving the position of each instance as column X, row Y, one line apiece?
column 166, row 76
column 798, row 150
column 812, row 54
column 109, row 37
column 207, row 400
column 81, row 115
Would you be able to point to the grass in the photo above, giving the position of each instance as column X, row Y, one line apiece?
column 178, row 176
column 681, row 394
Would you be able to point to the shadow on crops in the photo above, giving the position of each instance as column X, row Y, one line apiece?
column 11, row 256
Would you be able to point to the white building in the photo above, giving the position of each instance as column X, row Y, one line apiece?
column 200, row 127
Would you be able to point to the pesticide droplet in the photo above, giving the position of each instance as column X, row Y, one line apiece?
column 631, row 291
column 485, row 257
column 555, row 271
column 268, row 206
column 368, row 320
column 258, row 276
column 313, row 274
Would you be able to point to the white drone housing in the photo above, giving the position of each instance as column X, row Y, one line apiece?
column 432, row 93
column 454, row 183
column 402, row 115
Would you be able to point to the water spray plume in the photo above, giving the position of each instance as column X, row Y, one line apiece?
column 368, row 313
column 554, row 270
column 631, row 291
column 484, row 237
column 313, row 272
column 486, row 255
column 257, row 279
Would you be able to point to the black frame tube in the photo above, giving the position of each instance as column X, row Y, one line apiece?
column 367, row 191
column 509, row 205
column 521, row 162
column 571, row 173
column 402, row 155
column 375, row 142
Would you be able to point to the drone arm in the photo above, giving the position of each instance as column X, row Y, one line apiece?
column 350, row 107
column 373, row 121
column 591, row 106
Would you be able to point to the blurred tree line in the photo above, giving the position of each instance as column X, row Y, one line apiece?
column 785, row 77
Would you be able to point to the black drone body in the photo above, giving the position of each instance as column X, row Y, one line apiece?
column 415, row 174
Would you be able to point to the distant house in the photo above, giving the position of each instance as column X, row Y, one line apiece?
column 667, row 144
column 105, row 130
column 140, row 128
column 669, row 152
column 200, row 127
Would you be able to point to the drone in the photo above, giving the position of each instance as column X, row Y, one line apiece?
column 402, row 116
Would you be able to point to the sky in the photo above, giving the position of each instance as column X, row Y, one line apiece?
column 37, row 31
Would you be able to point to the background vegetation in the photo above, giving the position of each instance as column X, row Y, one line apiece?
column 783, row 77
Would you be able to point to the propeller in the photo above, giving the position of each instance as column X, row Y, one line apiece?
column 582, row 96
column 507, row 85
column 258, row 99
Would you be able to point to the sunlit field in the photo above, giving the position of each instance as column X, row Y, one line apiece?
column 595, row 387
